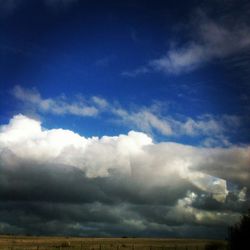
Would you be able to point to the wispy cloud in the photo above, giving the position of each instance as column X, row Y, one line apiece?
column 144, row 120
column 214, row 129
column 212, row 40
column 58, row 106
column 138, row 71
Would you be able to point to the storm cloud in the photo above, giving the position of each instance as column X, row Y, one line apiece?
column 54, row 181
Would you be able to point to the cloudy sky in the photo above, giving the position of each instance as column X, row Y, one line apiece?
column 124, row 118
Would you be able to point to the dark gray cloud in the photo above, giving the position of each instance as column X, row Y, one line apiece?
column 49, row 182
column 58, row 182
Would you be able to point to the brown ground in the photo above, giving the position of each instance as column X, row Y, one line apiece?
column 75, row 243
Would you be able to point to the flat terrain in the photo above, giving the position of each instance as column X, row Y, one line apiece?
column 77, row 243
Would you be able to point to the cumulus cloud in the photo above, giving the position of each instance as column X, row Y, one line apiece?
column 83, row 179
column 212, row 40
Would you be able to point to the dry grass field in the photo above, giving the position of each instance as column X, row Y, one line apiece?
column 77, row 243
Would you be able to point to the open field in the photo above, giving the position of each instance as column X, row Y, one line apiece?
column 77, row 243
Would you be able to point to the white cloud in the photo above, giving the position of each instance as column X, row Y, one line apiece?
column 138, row 71
column 132, row 154
column 242, row 194
column 147, row 119
column 144, row 120
column 212, row 41
column 215, row 41
column 188, row 214
column 26, row 139
column 181, row 60
column 211, row 127
column 58, row 106
column 101, row 102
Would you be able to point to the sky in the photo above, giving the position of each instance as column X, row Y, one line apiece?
column 124, row 118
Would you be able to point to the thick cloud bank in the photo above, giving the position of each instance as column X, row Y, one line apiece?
column 58, row 182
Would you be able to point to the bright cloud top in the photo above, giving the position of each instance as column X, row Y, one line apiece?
column 26, row 138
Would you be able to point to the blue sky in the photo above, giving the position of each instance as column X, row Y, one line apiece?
column 173, row 71
column 108, row 50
